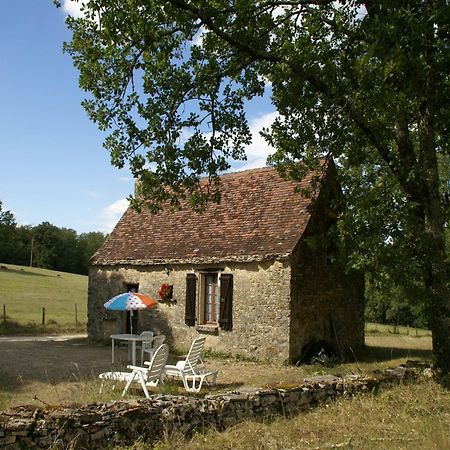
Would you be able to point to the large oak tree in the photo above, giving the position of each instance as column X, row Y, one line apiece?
column 364, row 81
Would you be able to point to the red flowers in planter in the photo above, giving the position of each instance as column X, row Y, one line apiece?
column 165, row 292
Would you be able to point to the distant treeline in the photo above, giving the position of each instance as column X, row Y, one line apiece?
column 46, row 245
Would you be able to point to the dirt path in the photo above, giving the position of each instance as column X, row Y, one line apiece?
column 54, row 358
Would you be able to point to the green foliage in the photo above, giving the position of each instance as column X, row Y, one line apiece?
column 55, row 248
column 393, row 304
column 170, row 80
column 364, row 82
column 6, row 217
column 46, row 245
column 7, row 230
column 88, row 244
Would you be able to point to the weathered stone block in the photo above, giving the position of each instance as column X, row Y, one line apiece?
column 7, row 440
column 266, row 400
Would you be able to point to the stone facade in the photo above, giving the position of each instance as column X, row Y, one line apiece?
column 276, row 311
column 289, row 286
column 327, row 302
column 261, row 312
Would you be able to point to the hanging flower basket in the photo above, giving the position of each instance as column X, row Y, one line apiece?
column 165, row 292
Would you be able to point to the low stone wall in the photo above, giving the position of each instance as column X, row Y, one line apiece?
column 123, row 422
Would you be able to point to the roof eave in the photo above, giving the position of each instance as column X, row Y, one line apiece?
column 193, row 260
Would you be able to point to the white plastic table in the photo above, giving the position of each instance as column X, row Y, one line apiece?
column 131, row 338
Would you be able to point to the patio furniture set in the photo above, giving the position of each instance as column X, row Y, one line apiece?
column 191, row 371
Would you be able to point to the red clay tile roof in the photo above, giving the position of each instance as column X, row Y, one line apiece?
column 259, row 217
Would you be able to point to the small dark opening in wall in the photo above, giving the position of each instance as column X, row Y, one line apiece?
column 318, row 352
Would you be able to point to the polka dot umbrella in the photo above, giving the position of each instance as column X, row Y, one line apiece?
column 130, row 301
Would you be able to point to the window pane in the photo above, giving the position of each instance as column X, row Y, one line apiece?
column 211, row 298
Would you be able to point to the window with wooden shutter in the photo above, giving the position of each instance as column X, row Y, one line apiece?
column 191, row 298
column 226, row 302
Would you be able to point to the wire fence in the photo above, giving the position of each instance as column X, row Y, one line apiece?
column 371, row 327
column 46, row 315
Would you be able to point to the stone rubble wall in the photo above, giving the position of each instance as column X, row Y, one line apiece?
column 123, row 422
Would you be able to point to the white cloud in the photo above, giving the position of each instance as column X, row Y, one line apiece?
column 110, row 215
column 259, row 149
column 361, row 13
column 199, row 36
column 73, row 8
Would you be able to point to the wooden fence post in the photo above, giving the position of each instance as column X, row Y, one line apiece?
column 43, row 317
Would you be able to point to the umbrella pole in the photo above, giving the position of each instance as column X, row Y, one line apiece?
column 131, row 321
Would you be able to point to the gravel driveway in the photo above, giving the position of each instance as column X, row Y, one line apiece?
column 55, row 358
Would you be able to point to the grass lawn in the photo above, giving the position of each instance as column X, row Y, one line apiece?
column 405, row 417
column 25, row 291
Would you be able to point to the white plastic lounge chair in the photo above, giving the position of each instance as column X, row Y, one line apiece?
column 151, row 346
column 145, row 376
column 192, row 370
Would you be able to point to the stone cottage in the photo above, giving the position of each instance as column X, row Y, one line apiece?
column 257, row 273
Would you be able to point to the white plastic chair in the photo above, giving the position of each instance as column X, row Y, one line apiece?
column 192, row 370
column 145, row 376
column 148, row 335
column 151, row 346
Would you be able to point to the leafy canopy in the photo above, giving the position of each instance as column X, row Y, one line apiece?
column 170, row 79
column 366, row 82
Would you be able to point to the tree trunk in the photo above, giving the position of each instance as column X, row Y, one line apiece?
column 436, row 277
column 435, row 269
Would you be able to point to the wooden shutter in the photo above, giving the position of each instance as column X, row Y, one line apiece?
column 226, row 302
column 191, row 298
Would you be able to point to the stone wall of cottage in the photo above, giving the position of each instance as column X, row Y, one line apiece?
column 327, row 302
column 261, row 299
column 123, row 422
column 335, row 316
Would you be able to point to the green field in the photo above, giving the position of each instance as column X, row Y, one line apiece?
column 377, row 328
column 25, row 291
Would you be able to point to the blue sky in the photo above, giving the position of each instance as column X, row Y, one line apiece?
column 52, row 164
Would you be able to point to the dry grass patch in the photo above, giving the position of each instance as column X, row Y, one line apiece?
column 405, row 417
column 67, row 372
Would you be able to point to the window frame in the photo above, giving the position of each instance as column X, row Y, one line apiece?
column 201, row 297
column 194, row 315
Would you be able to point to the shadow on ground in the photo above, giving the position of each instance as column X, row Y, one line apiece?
column 55, row 361
column 372, row 354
